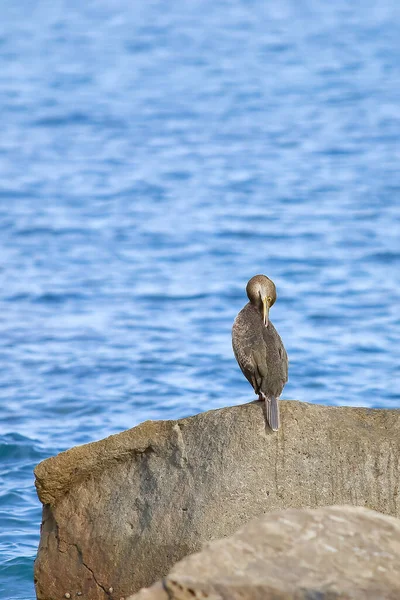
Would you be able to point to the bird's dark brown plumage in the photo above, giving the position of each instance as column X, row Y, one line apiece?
column 258, row 347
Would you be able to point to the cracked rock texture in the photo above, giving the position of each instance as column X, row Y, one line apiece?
column 322, row 554
column 120, row 512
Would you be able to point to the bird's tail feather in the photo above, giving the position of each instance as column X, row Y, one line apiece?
column 272, row 411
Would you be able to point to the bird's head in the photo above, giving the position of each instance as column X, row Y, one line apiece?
column 261, row 292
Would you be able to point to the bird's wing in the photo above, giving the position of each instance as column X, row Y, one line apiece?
column 246, row 363
column 277, row 359
column 259, row 359
column 285, row 361
column 259, row 364
column 244, row 342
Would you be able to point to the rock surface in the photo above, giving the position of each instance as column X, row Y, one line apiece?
column 323, row 554
column 120, row 512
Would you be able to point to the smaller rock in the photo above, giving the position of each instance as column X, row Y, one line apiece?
column 155, row 592
column 335, row 552
column 67, row 595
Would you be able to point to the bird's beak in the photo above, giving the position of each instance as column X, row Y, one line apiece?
column 265, row 311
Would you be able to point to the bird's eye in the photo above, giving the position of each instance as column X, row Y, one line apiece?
column 269, row 299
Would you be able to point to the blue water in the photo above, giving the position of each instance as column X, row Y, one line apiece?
column 153, row 157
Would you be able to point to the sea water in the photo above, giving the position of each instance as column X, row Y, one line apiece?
column 153, row 157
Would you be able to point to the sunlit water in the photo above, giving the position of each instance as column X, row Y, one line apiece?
column 155, row 156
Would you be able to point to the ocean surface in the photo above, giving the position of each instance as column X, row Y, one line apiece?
column 153, row 157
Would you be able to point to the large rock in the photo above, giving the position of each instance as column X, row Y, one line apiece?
column 323, row 554
column 120, row 512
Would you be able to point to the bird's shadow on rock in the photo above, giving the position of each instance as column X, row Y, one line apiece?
column 267, row 428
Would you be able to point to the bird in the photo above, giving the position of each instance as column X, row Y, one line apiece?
column 258, row 348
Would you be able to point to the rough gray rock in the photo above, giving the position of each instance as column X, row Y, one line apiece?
column 323, row 554
column 120, row 512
